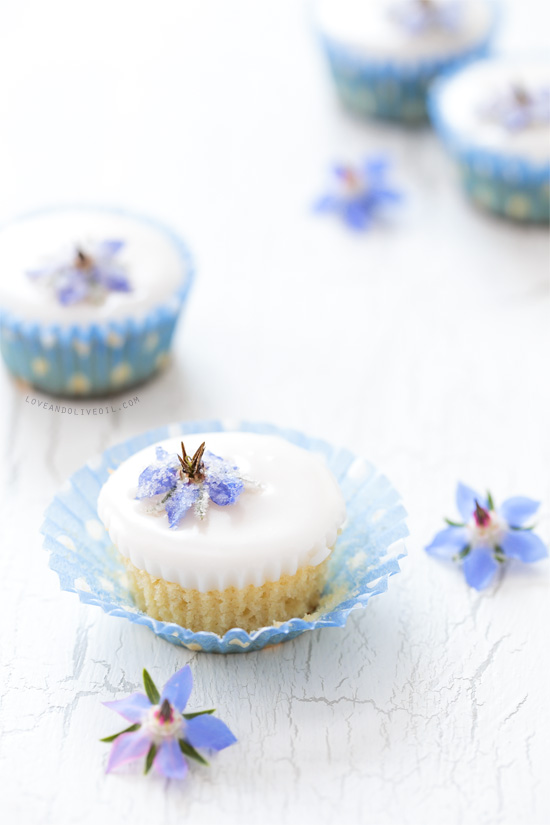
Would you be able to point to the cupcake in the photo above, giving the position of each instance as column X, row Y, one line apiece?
column 494, row 117
column 383, row 54
column 228, row 529
column 89, row 298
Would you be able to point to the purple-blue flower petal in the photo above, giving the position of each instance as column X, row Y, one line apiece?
column 108, row 248
column 132, row 707
column 170, row 761
column 72, row 288
column 524, row 545
column 448, row 542
column 178, row 688
column 518, row 509
column 159, row 477
column 224, row 491
column 466, row 501
column 480, row 567
column 113, row 279
column 355, row 215
column 206, row 731
column 327, row 203
column 375, row 168
column 222, row 482
column 389, row 195
column 127, row 747
column 417, row 18
column 181, row 500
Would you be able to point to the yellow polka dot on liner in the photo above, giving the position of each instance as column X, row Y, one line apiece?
column 517, row 206
column 79, row 383
column 40, row 366
column 121, row 373
column 151, row 342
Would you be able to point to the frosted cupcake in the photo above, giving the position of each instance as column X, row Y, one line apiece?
column 383, row 54
column 227, row 530
column 494, row 117
column 89, row 298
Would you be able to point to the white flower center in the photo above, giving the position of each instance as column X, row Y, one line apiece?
column 489, row 534
column 159, row 728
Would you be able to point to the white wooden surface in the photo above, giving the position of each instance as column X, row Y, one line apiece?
column 423, row 346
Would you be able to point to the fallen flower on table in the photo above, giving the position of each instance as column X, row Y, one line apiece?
column 488, row 535
column 360, row 194
column 162, row 732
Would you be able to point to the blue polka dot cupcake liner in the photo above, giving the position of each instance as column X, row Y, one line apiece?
column 366, row 554
column 101, row 358
column 391, row 91
column 512, row 187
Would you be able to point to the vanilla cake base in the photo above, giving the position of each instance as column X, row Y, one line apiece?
column 218, row 611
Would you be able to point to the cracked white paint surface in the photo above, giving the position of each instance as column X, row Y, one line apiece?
column 422, row 347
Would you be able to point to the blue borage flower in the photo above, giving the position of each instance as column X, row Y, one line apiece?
column 519, row 107
column 488, row 535
column 361, row 193
column 177, row 483
column 85, row 275
column 419, row 16
column 162, row 732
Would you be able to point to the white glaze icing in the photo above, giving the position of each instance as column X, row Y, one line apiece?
column 466, row 95
column 292, row 521
column 367, row 27
column 152, row 261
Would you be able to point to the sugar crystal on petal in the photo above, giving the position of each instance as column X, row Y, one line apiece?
column 159, row 477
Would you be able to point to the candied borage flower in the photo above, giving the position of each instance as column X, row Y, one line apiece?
column 85, row 275
column 161, row 732
column 174, row 484
column 519, row 107
column 360, row 194
column 488, row 535
column 419, row 16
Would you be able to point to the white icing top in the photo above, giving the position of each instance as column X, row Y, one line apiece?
column 367, row 27
column 466, row 95
column 151, row 259
column 290, row 522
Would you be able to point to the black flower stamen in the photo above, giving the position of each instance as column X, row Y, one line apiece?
column 521, row 95
column 481, row 515
column 83, row 261
column 192, row 468
column 165, row 712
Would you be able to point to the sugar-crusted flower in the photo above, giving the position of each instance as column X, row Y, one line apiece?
column 419, row 16
column 85, row 274
column 519, row 107
column 360, row 194
column 162, row 732
column 177, row 483
column 488, row 535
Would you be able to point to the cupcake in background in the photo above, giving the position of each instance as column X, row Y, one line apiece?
column 89, row 298
column 494, row 118
column 384, row 54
